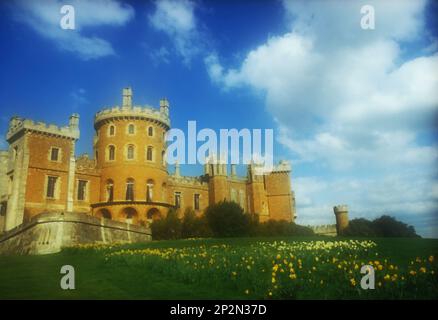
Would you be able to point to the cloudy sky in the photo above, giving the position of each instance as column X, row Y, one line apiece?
column 354, row 110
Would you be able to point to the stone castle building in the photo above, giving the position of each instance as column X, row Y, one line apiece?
column 127, row 179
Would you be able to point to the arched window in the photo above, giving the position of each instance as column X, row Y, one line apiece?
column 149, row 153
column 130, row 189
column 111, row 153
column 150, row 131
column 109, row 190
column 111, row 130
column 163, row 158
column 131, row 129
column 149, row 190
column 130, row 152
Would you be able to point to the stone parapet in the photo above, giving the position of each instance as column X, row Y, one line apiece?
column 18, row 125
column 139, row 112
column 50, row 232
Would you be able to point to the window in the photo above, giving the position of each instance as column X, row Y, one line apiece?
column 111, row 153
column 131, row 129
column 110, row 190
column 51, row 186
column 163, row 158
column 149, row 190
column 10, row 184
column 178, row 200
column 149, row 153
column 196, row 201
column 111, row 130
column 130, row 190
column 54, row 154
column 150, row 131
column 15, row 153
column 82, row 189
column 233, row 195
column 242, row 198
column 130, row 152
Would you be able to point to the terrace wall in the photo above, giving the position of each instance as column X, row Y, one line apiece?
column 49, row 232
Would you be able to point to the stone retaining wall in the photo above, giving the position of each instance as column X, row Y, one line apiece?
column 49, row 232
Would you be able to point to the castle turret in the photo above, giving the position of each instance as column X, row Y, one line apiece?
column 74, row 121
column 341, row 213
column 127, row 98
column 130, row 155
column 217, row 179
column 164, row 106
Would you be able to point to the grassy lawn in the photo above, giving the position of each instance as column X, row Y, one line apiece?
column 222, row 269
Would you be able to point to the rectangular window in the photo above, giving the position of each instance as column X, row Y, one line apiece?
column 51, row 185
column 82, row 189
column 130, row 192
column 196, row 201
column 54, row 154
column 178, row 200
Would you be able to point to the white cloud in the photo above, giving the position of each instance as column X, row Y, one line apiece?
column 44, row 17
column 349, row 102
column 176, row 18
column 79, row 97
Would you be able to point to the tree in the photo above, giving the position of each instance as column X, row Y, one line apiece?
column 360, row 228
column 167, row 228
column 387, row 226
column 227, row 219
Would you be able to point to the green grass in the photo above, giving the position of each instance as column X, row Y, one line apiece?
column 38, row 277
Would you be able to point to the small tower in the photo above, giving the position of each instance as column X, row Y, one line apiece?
column 341, row 213
column 164, row 106
column 74, row 121
column 127, row 98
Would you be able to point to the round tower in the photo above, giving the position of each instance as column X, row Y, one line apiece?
column 341, row 213
column 129, row 148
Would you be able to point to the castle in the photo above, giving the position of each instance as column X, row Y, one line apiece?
column 126, row 180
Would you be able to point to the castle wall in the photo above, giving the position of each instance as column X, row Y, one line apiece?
column 40, row 168
column 50, row 232
column 188, row 187
column 4, row 158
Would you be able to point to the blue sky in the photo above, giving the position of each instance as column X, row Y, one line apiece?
column 354, row 110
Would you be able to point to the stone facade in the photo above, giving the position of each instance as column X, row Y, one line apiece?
column 126, row 179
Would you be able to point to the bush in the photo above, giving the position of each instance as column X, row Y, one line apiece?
column 168, row 228
column 227, row 219
column 360, row 228
column 194, row 227
column 385, row 226
column 282, row 228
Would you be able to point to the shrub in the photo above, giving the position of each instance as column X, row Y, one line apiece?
column 282, row 228
column 167, row 228
column 360, row 228
column 227, row 219
column 387, row 226
column 194, row 227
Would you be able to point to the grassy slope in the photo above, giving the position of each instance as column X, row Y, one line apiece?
column 37, row 277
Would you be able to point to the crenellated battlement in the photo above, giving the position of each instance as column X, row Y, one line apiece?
column 186, row 180
column 127, row 110
column 340, row 208
column 283, row 166
column 17, row 125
